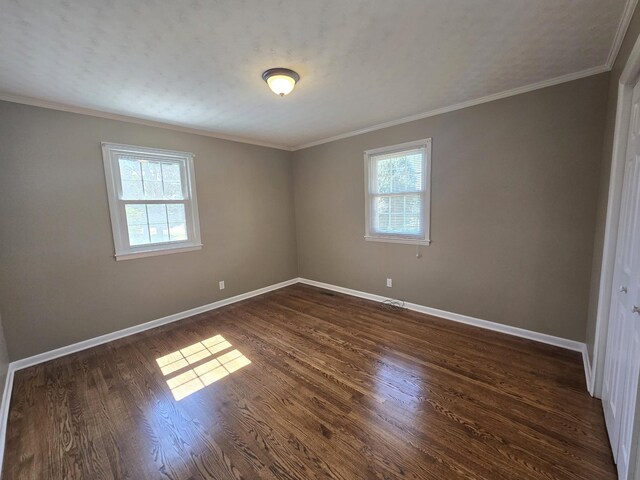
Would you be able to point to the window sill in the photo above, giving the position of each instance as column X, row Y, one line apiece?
column 157, row 251
column 406, row 241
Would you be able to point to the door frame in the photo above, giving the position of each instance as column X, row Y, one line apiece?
column 628, row 79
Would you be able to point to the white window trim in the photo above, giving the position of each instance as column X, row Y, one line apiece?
column 423, row 240
column 124, row 251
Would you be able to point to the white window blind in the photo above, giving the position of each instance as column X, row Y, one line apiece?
column 397, row 195
column 152, row 200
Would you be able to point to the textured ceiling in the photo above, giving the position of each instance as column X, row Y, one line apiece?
column 362, row 62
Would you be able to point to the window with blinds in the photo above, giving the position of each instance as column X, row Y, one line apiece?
column 398, row 196
column 152, row 200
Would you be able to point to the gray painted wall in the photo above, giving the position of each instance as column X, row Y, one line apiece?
column 603, row 191
column 514, row 200
column 59, row 282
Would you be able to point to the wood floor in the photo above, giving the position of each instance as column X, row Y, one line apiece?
column 303, row 383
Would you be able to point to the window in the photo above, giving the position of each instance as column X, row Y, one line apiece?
column 152, row 200
column 397, row 188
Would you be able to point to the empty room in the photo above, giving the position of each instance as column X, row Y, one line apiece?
column 319, row 239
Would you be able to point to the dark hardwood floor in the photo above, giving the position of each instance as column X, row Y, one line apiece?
column 303, row 383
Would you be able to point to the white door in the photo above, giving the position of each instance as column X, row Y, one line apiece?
column 622, row 362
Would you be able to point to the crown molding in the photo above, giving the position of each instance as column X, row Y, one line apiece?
column 458, row 106
column 627, row 13
column 38, row 102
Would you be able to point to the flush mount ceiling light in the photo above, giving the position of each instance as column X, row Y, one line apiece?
column 281, row 80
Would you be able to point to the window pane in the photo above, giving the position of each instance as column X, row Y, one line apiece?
column 153, row 190
column 159, row 233
column 150, row 180
column 401, row 224
column 138, row 235
column 151, row 171
column 407, row 182
column 397, row 204
column 136, row 214
column 412, row 223
column 171, row 173
column 397, row 173
column 384, row 177
column 398, row 214
column 132, row 190
column 173, row 191
column 413, row 204
column 156, row 223
column 130, row 169
column 172, row 181
column 175, row 213
column 381, row 222
column 177, row 231
column 157, row 214
column 382, row 204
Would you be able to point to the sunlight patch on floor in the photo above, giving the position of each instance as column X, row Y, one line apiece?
column 204, row 374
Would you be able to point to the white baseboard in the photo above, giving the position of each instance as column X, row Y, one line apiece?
column 92, row 342
column 588, row 374
column 4, row 411
column 497, row 327
column 456, row 317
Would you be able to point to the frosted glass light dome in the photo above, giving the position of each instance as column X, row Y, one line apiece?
column 281, row 80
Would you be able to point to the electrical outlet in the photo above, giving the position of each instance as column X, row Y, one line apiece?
column 389, row 282
column 221, row 284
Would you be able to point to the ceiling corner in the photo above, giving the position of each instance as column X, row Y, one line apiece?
column 629, row 9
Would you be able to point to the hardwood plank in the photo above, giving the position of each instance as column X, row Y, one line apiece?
column 304, row 383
